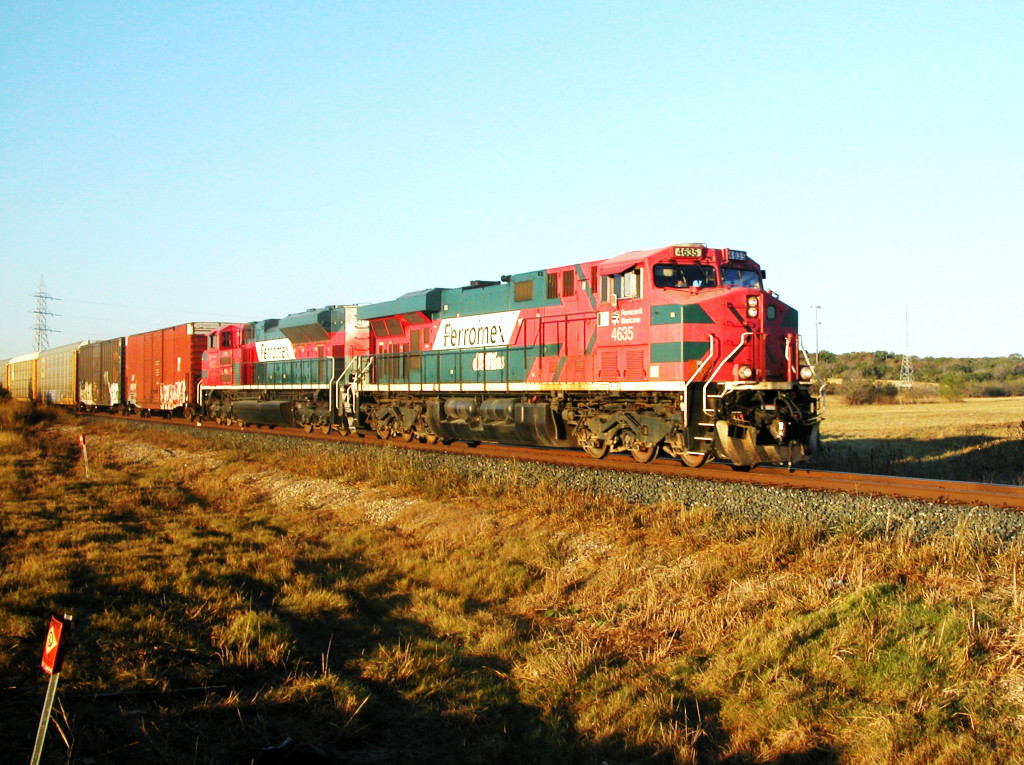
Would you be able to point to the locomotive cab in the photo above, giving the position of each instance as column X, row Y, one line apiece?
column 754, row 388
column 726, row 345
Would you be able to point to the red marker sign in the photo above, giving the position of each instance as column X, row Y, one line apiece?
column 53, row 655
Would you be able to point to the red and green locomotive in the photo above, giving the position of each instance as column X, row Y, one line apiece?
column 282, row 371
column 678, row 349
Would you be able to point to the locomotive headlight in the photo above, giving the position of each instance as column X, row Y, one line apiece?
column 745, row 373
column 752, row 306
column 806, row 373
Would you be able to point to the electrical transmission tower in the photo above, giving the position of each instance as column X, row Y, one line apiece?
column 907, row 368
column 42, row 329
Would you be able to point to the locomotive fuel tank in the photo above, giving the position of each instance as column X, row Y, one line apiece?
column 496, row 420
column 264, row 412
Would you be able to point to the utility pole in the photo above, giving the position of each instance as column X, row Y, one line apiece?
column 42, row 329
column 816, row 325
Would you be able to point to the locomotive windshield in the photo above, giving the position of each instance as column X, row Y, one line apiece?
column 740, row 277
column 678, row 276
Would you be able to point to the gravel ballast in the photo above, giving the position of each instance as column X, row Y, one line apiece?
column 866, row 515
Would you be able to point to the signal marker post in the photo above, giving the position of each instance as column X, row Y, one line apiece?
column 53, row 657
column 85, row 453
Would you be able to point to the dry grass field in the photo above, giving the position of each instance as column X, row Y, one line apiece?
column 970, row 440
column 223, row 604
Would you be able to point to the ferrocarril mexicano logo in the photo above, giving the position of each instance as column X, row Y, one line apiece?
column 483, row 331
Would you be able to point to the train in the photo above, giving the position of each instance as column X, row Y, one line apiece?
column 679, row 350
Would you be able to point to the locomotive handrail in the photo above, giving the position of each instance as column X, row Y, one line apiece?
column 743, row 341
column 814, row 372
column 807, row 360
column 356, row 376
column 686, row 388
column 330, row 393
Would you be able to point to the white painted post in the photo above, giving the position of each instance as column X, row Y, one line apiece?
column 85, row 452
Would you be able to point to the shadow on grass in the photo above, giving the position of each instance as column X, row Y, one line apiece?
column 965, row 458
column 129, row 697
column 146, row 680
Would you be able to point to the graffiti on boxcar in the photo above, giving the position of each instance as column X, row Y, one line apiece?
column 172, row 395
column 87, row 394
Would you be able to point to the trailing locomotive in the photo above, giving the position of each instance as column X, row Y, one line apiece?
column 283, row 371
column 678, row 349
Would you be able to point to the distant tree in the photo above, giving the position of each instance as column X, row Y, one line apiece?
column 952, row 386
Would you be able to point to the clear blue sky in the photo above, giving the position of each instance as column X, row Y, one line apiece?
column 168, row 162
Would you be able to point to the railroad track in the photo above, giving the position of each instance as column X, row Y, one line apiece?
column 923, row 489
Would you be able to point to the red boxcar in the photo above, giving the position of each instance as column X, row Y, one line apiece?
column 162, row 368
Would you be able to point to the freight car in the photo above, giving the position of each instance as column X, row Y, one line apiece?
column 162, row 369
column 57, row 372
column 22, row 381
column 282, row 371
column 678, row 349
column 101, row 375
column 3, row 377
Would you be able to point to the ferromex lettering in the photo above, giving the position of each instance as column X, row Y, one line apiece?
column 275, row 350
column 483, row 331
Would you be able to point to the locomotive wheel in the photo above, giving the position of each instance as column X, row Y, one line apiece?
column 307, row 427
column 325, row 429
column 407, row 436
column 644, row 453
column 384, row 434
column 597, row 449
column 694, row 460
column 431, row 439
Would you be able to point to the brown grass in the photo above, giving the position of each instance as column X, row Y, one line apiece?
column 222, row 606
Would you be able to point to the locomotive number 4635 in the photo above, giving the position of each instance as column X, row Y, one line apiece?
column 622, row 334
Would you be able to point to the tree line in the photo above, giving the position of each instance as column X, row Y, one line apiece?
column 874, row 376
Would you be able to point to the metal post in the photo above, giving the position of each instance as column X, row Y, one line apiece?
column 53, row 657
column 44, row 719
